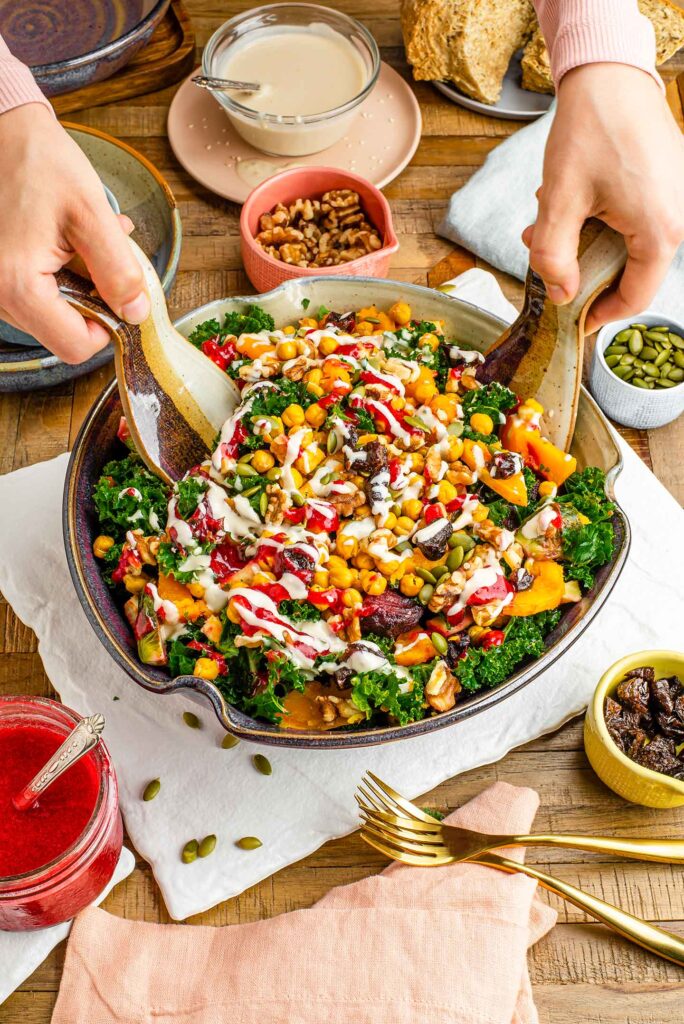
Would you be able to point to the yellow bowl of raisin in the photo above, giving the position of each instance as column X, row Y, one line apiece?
column 634, row 728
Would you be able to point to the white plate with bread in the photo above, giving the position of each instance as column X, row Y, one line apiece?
column 490, row 55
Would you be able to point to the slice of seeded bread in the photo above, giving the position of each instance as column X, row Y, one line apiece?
column 468, row 42
column 666, row 17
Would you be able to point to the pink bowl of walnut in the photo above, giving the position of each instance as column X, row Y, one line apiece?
column 266, row 272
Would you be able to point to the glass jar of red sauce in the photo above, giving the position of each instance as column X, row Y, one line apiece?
column 57, row 856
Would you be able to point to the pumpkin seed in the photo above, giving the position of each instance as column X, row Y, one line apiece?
column 666, row 383
column 332, row 442
column 250, row 491
column 263, row 503
column 648, row 352
column 676, row 375
column 676, row 340
column 151, row 789
column 678, row 358
column 190, row 851
column 651, row 369
column 662, row 358
column 426, row 593
column 244, row 470
column 273, row 473
column 632, row 373
column 613, row 360
column 635, row 342
column 425, row 575
column 455, row 558
column 460, row 539
column 191, row 720
column 455, row 429
column 665, row 370
column 639, row 327
column 439, row 571
column 262, row 764
column 439, row 643
column 229, row 741
column 622, row 337
column 403, row 545
column 627, row 360
column 415, row 421
column 620, row 371
column 615, row 350
column 653, row 335
column 298, row 499
column 245, row 458
column 207, row 846
column 639, row 383
column 249, row 843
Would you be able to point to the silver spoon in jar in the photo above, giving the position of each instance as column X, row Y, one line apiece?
column 222, row 84
column 80, row 740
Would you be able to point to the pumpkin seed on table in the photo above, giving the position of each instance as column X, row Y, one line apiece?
column 151, row 789
column 191, row 720
column 229, row 741
column 248, row 843
column 207, row 846
column 262, row 764
column 190, row 850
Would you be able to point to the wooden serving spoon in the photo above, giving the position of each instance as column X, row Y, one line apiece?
column 540, row 354
column 174, row 397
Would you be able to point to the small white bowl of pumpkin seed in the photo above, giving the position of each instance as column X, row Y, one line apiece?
column 637, row 370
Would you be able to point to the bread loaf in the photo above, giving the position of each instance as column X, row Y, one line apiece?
column 467, row 42
column 666, row 17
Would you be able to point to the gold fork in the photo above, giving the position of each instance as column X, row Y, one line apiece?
column 376, row 799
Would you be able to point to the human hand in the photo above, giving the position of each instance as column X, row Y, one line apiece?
column 52, row 207
column 614, row 152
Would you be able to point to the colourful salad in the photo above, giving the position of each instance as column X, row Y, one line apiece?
column 375, row 537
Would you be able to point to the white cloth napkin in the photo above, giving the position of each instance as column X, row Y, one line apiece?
column 309, row 798
column 490, row 212
column 22, row 952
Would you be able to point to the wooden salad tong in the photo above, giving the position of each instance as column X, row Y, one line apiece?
column 540, row 354
column 174, row 398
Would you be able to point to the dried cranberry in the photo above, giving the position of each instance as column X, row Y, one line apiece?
column 390, row 614
column 434, row 547
column 522, row 580
column 296, row 561
column 345, row 322
column 504, row 464
column 457, row 648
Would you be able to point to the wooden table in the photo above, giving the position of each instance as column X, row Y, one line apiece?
column 579, row 972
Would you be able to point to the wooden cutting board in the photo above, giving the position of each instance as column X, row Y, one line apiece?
column 168, row 57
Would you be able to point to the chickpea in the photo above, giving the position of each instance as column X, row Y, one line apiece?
column 365, row 328
column 455, row 449
column 335, row 562
column 342, row 578
column 233, row 613
column 321, row 578
column 389, row 522
column 403, row 526
column 315, row 415
column 482, row 423
column 196, row 589
column 346, row 545
column 372, row 582
column 351, row 598
column 424, row 390
column 547, row 489
column 400, row 313
column 480, row 514
column 135, row 584
column 430, row 341
column 398, row 403
column 327, row 345
column 289, row 329
column 262, row 461
column 293, row 416
column 308, row 321
column 411, row 585
column 314, row 376
column 413, row 508
column 446, row 492
column 205, row 668
column 101, row 545
column 286, row 350
column 363, row 561
column 315, row 389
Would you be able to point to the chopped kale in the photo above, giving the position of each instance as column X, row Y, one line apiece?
column 586, row 490
column 169, row 561
column 374, row 692
column 144, row 508
column 252, row 321
column 385, row 643
column 492, row 399
column 299, row 611
column 586, row 549
column 204, row 331
column 272, row 401
column 524, row 639
column 188, row 493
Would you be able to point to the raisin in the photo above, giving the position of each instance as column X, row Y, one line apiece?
column 634, row 692
column 523, row 580
column 504, row 465
column 645, row 672
column 345, row 322
column 662, row 696
column 457, row 648
column 435, row 546
column 659, row 756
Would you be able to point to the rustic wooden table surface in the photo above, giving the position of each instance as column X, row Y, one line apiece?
column 579, row 972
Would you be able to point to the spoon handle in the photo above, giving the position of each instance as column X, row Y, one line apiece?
column 83, row 738
column 210, row 82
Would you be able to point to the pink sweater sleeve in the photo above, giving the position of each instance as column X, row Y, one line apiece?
column 17, row 84
column 592, row 31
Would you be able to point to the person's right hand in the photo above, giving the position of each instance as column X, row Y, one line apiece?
column 52, row 207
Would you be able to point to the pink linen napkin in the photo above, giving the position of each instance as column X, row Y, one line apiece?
column 444, row 945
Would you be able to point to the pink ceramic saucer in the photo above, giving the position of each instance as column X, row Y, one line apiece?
column 380, row 143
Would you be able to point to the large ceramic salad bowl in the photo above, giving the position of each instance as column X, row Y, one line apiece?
column 97, row 443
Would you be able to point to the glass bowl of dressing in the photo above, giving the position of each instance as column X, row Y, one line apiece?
column 315, row 67
column 57, row 856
